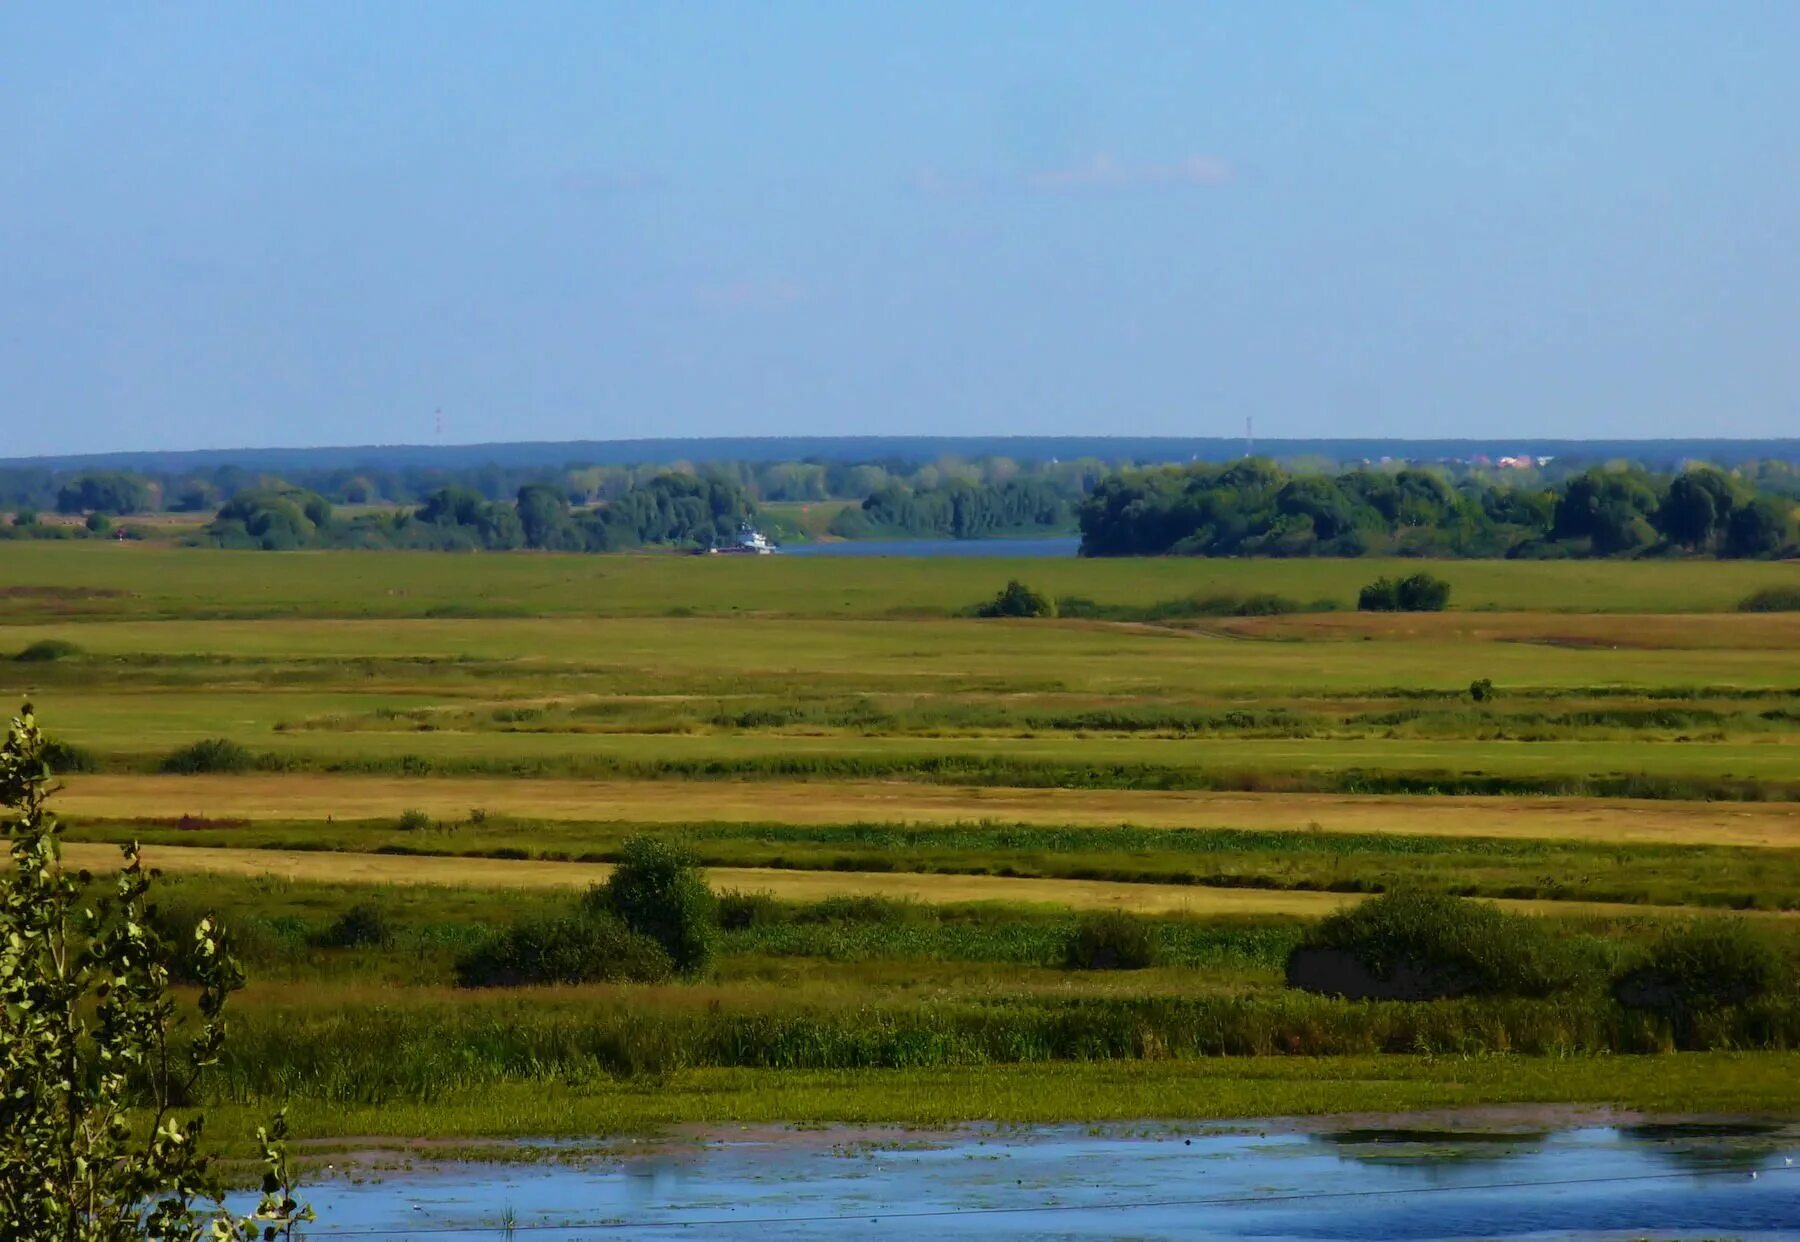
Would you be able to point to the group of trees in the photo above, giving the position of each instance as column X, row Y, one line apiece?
column 671, row 509
column 1255, row 508
column 1251, row 507
column 958, row 510
column 199, row 491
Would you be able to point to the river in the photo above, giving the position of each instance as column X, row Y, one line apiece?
column 1283, row 1181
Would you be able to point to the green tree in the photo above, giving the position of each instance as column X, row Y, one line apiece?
column 544, row 516
column 657, row 891
column 89, row 1043
column 1760, row 528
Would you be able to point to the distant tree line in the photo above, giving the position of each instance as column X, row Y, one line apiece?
column 959, row 510
column 668, row 509
column 1255, row 508
column 119, row 493
column 1251, row 507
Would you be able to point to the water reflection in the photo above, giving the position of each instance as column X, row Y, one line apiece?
column 1347, row 1184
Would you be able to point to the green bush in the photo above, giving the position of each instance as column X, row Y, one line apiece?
column 1413, row 593
column 739, row 911
column 657, row 890
column 1701, row 967
column 862, row 908
column 584, row 947
column 1772, row 599
column 45, row 650
column 1111, row 940
column 213, row 754
column 362, row 924
column 1481, row 689
column 1411, row 945
column 414, row 820
column 64, row 758
column 1018, row 600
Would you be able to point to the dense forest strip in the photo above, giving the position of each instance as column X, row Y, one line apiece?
column 1535, row 507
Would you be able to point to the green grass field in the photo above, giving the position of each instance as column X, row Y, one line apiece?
column 823, row 728
column 47, row 582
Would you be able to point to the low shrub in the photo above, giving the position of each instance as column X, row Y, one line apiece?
column 739, row 911
column 656, row 890
column 1017, row 600
column 584, row 947
column 414, row 820
column 64, row 758
column 1772, row 599
column 45, row 650
column 1410, row 945
column 1413, row 593
column 213, row 754
column 882, row 911
column 1481, row 690
column 362, row 924
column 1111, row 940
column 1701, row 967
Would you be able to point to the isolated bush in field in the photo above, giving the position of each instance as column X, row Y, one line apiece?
column 362, row 924
column 213, row 754
column 412, row 819
column 1411, row 945
column 45, row 650
column 863, row 908
column 99, row 524
column 656, row 890
column 739, row 911
column 1414, row 593
column 1772, row 599
column 1111, row 940
column 1701, row 967
column 64, row 758
column 583, row 947
column 1017, row 600
column 1481, row 689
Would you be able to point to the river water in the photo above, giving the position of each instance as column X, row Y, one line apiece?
column 1068, row 1182
column 1060, row 545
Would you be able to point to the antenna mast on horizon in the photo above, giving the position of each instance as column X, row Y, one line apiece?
column 1249, row 435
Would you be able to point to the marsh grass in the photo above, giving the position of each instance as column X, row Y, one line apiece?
column 1351, row 862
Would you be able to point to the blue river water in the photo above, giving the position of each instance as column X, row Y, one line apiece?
column 1084, row 1182
column 1060, row 545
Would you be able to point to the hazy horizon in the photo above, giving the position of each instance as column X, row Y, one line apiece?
column 240, row 228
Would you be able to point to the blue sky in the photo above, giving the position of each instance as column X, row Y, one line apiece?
column 237, row 225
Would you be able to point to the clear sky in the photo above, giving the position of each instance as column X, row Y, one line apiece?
column 299, row 224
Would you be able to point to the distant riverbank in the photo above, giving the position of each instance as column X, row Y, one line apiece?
column 1055, row 545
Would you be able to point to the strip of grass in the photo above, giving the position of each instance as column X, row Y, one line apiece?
column 1731, row 1084
column 1548, row 870
column 79, row 579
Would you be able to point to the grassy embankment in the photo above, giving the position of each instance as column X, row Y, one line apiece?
column 817, row 728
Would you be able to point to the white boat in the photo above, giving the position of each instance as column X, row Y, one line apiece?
column 750, row 542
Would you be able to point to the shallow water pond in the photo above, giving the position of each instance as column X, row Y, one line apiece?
column 1077, row 1182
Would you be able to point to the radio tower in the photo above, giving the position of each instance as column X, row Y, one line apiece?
column 438, row 422
column 1249, row 435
